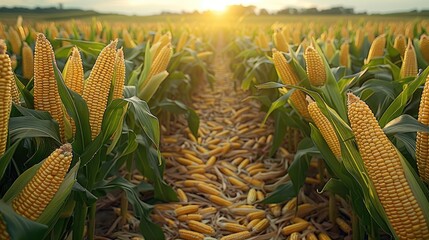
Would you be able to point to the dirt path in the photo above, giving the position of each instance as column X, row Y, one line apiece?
column 215, row 174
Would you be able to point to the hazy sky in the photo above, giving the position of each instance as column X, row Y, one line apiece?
column 147, row 7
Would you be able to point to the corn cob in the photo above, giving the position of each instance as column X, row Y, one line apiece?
column 182, row 41
column 400, row 44
column 280, row 42
column 160, row 63
column 324, row 236
column 219, row 200
column 288, row 76
column 422, row 144
column 37, row 194
column 251, row 196
column 344, row 226
column 359, row 37
column 192, row 216
column 377, row 48
column 237, row 236
column 201, row 227
column 326, row 128
column 4, row 235
column 263, row 40
column 186, row 209
column 344, row 54
column 74, row 72
column 409, row 65
column 402, row 208
column 6, row 81
column 128, row 40
column 315, row 67
column 294, row 236
column 296, row 227
column 164, row 40
column 329, row 49
column 424, row 47
column 119, row 77
column 46, row 96
column 190, row 235
column 311, row 236
column 97, row 87
column 15, row 41
column 27, row 61
column 232, row 227
column 182, row 195
column 261, row 226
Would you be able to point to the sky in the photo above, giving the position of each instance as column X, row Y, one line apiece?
column 149, row 7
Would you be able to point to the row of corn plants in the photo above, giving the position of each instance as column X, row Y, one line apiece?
column 355, row 92
column 82, row 108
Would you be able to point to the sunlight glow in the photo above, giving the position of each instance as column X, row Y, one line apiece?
column 220, row 6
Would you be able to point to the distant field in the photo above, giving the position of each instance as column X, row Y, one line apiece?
column 263, row 20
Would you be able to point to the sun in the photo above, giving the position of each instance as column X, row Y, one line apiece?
column 218, row 6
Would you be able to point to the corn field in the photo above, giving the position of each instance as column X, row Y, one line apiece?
column 158, row 131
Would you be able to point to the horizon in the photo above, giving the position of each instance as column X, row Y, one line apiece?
column 272, row 6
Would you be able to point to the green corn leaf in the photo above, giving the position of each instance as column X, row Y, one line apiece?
column 19, row 227
column 283, row 193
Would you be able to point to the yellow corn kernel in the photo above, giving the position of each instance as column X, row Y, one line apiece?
column 288, row 76
column 4, row 235
column 46, row 97
column 182, row 195
column 237, row 236
column 377, row 48
column 400, row 44
column 6, row 81
column 251, row 196
column 345, row 54
column 244, row 211
column 119, row 76
column 297, row 227
column 27, row 61
column 36, row 195
column 201, row 227
column 97, row 87
column 192, row 216
column 402, row 210
column 424, row 47
column 190, row 235
column 326, row 128
column 186, row 209
column 260, row 195
column 193, row 158
column 261, row 226
column 409, row 66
